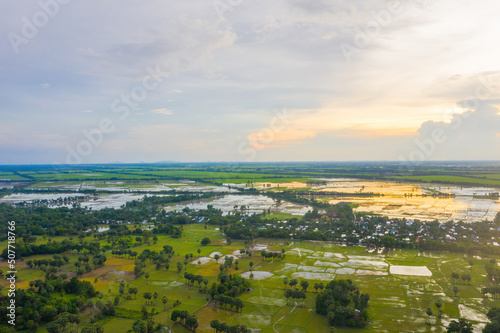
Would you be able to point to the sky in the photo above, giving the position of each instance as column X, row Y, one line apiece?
column 238, row 80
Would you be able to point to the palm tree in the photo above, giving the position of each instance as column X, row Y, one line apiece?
column 439, row 304
column 164, row 300
column 285, row 282
column 429, row 313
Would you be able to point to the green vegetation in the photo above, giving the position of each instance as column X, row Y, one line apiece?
column 460, row 173
column 141, row 267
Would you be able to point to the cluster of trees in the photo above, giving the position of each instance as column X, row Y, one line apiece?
column 343, row 304
column 226, row 302
column 147, row 326
column 161, row 259
column 124, row 253
column 191, row 279
column 465, row 277
column 295, row 294
column 63, row 322
column 57, row 262
column 51, row 247
column 225, row 328
column 189, row 321
column 63, row 221
column 273, row 255
column 40, row 307
column 493, row 291
column 493, row 271
column 231, row 285
column 304, row 284
column 494, row 325
column 460, row 326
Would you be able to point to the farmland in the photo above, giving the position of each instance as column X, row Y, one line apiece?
column 397, row 303
column 189, row 203
column 458, row 173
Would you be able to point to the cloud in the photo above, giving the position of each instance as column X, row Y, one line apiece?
column 224, row 78
column 163, row 111
column 470, row 135
column 87, row 111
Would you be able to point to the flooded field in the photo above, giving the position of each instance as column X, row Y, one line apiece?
column 411, row 200
column 124, row 186
column 103, row 201
column 252, row 204
column 425, row 202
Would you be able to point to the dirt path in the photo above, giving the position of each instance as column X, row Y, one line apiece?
column 274, row 326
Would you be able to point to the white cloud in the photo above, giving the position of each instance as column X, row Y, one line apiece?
column 226, row 77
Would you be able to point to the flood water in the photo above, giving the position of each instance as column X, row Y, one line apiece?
column 415, row 201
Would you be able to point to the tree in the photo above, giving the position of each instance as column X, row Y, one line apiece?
column 455, row 277
column 31, row 325
column 455, row 290
column 216, row 257
column 293, row 283
column 147, row 277
column 285, row 282
column 494, row 325
column 304, row 284
column 139, row 327
column 251, row 265
column 147, row 296
column 462, row 326
column 428, row 311
column 205, row 241
column 133, row 291
column 164, row 300
column 342, row 302
column 179, row 267
column 439, row 304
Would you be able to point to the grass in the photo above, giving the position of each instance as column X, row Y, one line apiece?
column 397, row 303
column 453, row 179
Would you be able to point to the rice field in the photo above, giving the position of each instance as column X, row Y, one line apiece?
column 401, row 284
